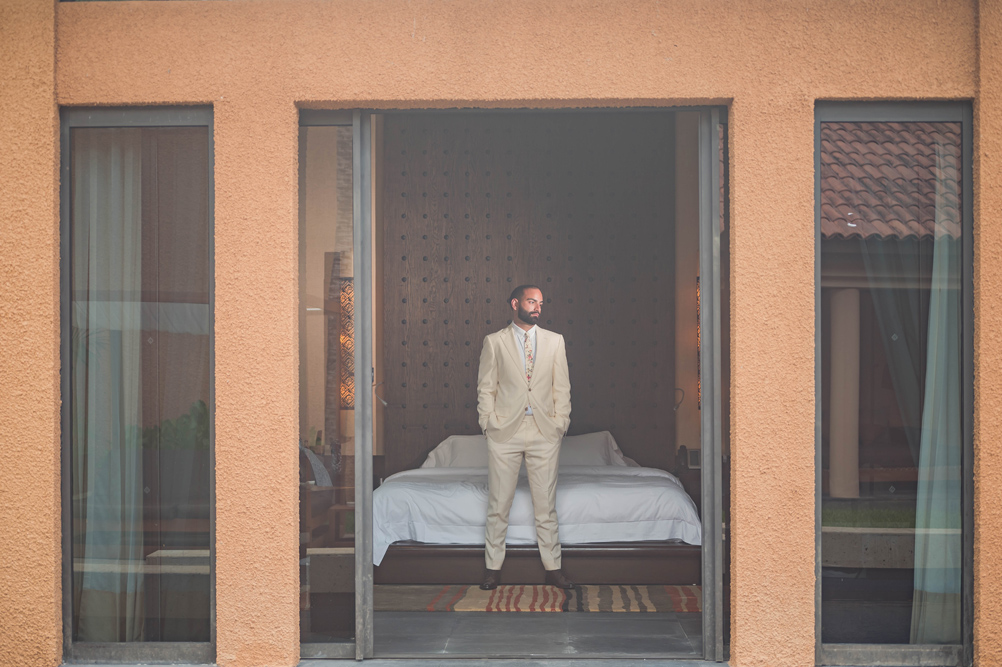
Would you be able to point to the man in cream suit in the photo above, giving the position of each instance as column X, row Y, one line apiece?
column 524, row 401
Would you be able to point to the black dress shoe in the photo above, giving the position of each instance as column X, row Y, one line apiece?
column 559, row 579
column 491, row 580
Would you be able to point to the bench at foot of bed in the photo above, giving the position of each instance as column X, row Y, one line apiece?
column 624, row 563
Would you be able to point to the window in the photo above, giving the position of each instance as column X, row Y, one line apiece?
column 137, row 383
column 895, row 382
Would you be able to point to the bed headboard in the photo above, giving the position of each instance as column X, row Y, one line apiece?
column 475, row 204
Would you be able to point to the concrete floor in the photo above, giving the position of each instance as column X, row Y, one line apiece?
column 526, row 634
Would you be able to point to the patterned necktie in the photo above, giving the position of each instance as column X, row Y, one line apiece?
column 530, row 359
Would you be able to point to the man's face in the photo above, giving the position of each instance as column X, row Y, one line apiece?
column 529, row 307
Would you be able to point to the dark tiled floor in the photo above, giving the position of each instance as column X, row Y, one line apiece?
column 483, row 634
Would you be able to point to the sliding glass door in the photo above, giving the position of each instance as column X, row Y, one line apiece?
column 334, row 391
column 373, row 262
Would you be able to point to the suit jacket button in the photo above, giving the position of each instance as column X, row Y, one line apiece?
column 530, row 388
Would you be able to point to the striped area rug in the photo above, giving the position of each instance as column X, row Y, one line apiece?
column 539, row 598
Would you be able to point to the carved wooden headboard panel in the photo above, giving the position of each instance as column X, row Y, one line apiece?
column 581, row 205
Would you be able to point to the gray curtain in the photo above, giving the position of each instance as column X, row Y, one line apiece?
column 106, row 359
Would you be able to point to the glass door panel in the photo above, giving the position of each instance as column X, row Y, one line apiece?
column 327, row 384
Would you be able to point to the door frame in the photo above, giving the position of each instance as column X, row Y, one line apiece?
column 711, row 361
column 711, row 118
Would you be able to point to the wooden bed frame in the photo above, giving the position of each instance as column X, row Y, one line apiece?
column 621, row 563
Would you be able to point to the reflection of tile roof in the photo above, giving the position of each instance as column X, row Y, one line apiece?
column 880, row 179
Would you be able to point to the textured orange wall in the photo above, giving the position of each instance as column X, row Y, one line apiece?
column 988, row 339
column 255, row 60
column 257, row 382
column 772, row 390
column 30, row 546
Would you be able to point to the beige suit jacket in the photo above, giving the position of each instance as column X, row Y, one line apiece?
column 504, row 393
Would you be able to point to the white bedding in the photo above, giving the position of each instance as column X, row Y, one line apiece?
column 606, row 503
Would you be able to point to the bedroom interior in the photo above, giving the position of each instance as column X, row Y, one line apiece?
column 598, row 209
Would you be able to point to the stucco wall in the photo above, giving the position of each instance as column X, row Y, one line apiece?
column 257, row 382
column 30, row 552
column 772, row 391
column 988, row 339
column 254, row 61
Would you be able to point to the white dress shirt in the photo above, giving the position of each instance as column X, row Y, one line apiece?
column 520, row 341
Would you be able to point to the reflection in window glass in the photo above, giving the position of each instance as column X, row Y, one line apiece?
column 140, row 340
column 326, row 386
column 891, row 388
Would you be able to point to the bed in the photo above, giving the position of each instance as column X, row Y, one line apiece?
column 619, row 523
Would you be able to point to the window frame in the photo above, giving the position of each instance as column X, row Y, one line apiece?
column 126, row 652
column 905, row 655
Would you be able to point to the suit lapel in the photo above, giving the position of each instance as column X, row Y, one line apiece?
column 509, row 344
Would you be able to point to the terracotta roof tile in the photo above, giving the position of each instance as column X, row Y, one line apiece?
column 880, row 180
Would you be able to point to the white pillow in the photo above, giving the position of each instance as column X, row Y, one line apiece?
column 591, row 449
column 470, row 451
column 459, row 451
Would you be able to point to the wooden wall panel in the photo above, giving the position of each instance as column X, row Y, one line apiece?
column 581, row 205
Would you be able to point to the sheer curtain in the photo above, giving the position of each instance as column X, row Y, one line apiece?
column 106, row 367
column 902, row 315
column 938, row 513
column 921, row 330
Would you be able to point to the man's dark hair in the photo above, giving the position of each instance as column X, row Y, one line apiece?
column 519, row 292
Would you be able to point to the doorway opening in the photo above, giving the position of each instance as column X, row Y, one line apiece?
column 603, row 211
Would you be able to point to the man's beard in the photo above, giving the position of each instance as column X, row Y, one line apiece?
column 527, row 317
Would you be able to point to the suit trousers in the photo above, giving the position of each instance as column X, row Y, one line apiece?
column 504, row 461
